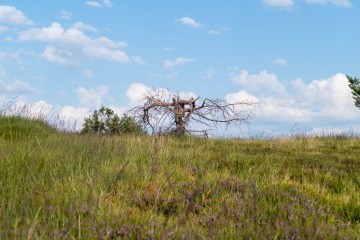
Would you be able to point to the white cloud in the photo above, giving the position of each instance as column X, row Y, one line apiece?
column 341, row 3
column 190, row 22
column 138, row 60
column 65, row 15
column 338, row 3
column 241, row 96
column 84, row 27
column 328, row 98
column 91, row 97
column 66, row 47
column 177, row 62
column 40, row 109
column 51, row 34
column 279, row 3
column 59, row 56
column 135, row 93
column 16, row 87
column 11, row 15
column 282, row 109
column 96, row 4
column 93, row 4
column 320, row 101
column 322, row 2
column 36, row 110
column 77, row 114
column 187, row 95
column 107, row 3
column 263, row 83
column 280, row 62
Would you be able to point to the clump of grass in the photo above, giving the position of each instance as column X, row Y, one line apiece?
column 58, row 185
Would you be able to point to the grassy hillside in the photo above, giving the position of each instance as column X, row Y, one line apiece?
column 57, row 185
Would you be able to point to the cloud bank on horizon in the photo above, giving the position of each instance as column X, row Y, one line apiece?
column 78, row 56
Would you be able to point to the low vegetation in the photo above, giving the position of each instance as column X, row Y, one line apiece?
column 106, row 121
column 56, row 185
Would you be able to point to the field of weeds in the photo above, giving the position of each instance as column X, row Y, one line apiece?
column 56, row 185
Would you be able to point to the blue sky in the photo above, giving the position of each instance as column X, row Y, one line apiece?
column 289, row 55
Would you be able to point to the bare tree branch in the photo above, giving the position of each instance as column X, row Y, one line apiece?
column 163, row 112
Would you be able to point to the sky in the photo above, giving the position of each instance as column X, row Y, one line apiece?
column 290, row 56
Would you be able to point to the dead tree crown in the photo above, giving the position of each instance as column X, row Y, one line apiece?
column 163, row 112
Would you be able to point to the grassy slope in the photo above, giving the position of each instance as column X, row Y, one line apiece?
column 58, row 185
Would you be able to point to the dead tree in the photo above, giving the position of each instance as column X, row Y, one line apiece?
column 164, row 113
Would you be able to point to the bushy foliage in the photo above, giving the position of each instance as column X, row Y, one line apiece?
column 105, row 121
column 354, row 84
column 129, row 125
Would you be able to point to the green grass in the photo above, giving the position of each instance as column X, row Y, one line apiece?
column 56, row 185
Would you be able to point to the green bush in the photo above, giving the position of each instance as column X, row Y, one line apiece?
column 105, row 121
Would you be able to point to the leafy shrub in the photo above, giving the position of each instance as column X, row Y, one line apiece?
column 105, row 121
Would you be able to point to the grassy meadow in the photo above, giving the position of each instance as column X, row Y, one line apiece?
column 57, row 185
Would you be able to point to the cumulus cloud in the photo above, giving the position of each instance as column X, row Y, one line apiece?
column 323, row 100
column 11, row 15
column 91, row 98
column 262, row 83
column 75, row 114
column 178, row 61
column 190, row 22
column 67, row 47
column 59, row 56
column 328, row 98
column 135, row 93
column 338, row 3
column 279, row 3
column 20, row 106
column 187, row 95
column 240, row 96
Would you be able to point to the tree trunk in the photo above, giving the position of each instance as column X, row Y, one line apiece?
column 179, row 118
column 180, row 128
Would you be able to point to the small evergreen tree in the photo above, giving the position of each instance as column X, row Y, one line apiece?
column 105, row 121
column 354, row 84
